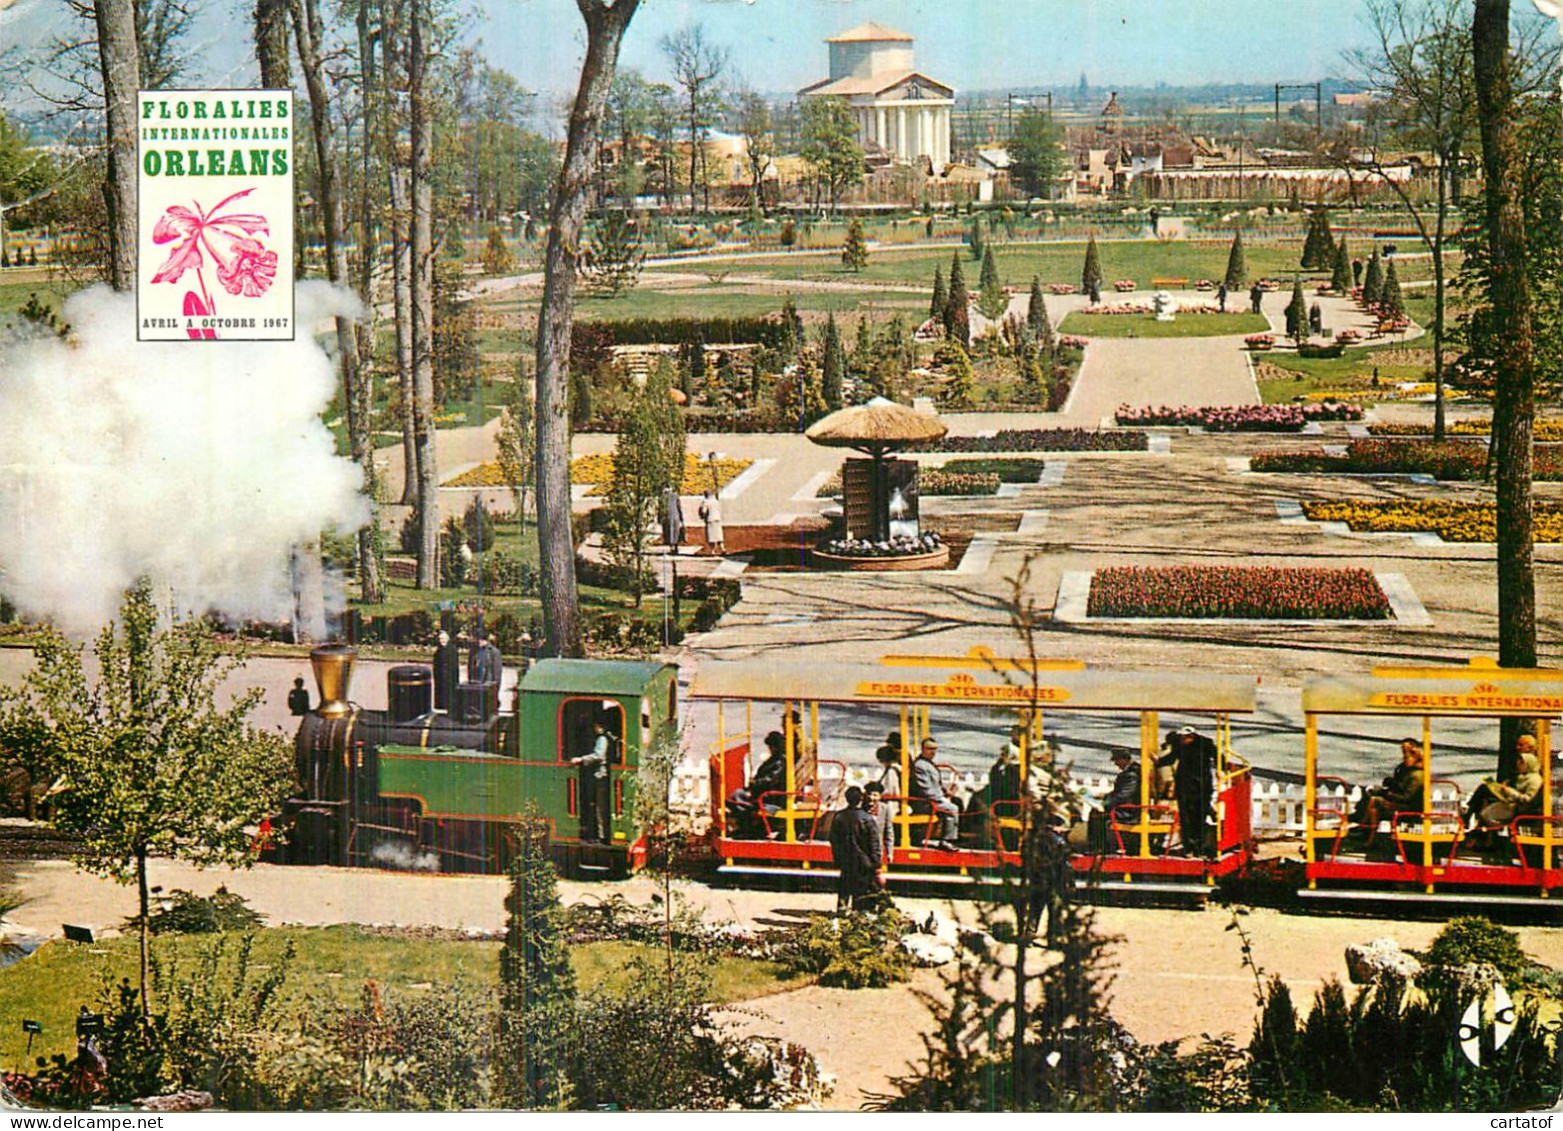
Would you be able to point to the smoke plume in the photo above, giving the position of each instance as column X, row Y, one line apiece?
column 198, row 464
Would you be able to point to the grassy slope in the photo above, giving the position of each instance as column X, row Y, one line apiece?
column 330, row 961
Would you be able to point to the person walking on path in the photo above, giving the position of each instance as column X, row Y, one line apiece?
column 711, row 515
column 1256, row 298
column 1221, row 297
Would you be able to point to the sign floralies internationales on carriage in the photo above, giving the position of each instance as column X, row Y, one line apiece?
column 961, row 687
column 214, row 254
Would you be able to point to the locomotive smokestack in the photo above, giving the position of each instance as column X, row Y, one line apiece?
column 333, row 664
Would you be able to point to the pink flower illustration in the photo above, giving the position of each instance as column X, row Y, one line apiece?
column 244, row 266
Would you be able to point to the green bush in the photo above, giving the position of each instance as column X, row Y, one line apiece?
column 185, row 913
column 1473, row 938
column 853, row 952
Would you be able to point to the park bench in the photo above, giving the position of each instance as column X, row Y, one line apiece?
column 1170, row 283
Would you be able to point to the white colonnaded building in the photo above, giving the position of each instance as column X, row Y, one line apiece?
column 898, row 108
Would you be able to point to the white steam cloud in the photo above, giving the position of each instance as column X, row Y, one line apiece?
column 198, row 464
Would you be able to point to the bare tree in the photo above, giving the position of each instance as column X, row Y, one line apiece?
column 605, row 26
column 120, row 64
column 697, row 68
column 271, row 43
column 1508, row 285
column 754, row 123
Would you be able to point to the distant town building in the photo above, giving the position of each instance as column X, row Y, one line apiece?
column 901, row 112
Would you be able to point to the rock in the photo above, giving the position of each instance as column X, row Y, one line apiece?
column 176, row 1101
column 1369, row 962
column 926, row 950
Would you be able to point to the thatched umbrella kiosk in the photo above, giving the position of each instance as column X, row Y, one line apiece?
column 881, row 493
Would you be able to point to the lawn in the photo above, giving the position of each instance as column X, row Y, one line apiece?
column 1195, row 325
column 722, row 300
column 1140, row 260
column 1350, row 373
column 331, row 962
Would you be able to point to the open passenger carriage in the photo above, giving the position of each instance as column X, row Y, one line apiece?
column 1427, row 848
column 1137, row 844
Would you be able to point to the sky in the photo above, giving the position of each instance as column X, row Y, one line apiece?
column 776, row 45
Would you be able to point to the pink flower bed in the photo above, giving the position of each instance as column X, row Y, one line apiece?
column 1348, row 336
column 1259, row 341
column 1124, row 285
column 1072, row 342
column 1061, row 288
column 1238, row 418
column 1246, row 592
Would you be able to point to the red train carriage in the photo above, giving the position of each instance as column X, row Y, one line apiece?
column 1141, row 844
column 1423, row 847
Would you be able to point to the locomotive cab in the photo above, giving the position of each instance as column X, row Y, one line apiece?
column 415, row 787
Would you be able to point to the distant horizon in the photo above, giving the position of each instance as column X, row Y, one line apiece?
column 980, row 46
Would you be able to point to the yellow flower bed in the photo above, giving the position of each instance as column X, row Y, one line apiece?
column 1450, row 520
column 1548, row 430
column 598, row 470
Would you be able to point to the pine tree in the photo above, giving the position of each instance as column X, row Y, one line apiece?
column 1237, row 264
column 1391, row 300
column 941, row 294
column 991, row 299
column 791, row 331
column 854, row 252
column 833, row 364
column 957, row 321
column 536, row 980
column 862, row 349
column 1091, row 274
column 1318, row 246
column 1037, row 320
column 1340, row 279
column 1373, row 281
column 497, row 259
column 962, row 380
column 976, row 242
column 1297, row 314
column 697, row 366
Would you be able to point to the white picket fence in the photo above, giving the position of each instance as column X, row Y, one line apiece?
column 1277, row 807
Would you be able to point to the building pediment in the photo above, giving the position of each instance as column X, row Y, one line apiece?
column 911, row 86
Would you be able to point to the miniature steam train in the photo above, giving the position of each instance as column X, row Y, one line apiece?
column 416, row 787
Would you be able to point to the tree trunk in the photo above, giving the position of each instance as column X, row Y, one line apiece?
column 271, row 44
column 120, row 61
column 605, row 27
column 1438, row 305
column 421, row 243
column 308, row 31
column 401, row 260
column 144, row 902
column 1509, row 292
column 370, row 586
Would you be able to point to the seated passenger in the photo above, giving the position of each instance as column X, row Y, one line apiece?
column 889, row 783
column 1126, row 783
column 928, row 786
column 1496, row 803
column 743, row 807
column 1401, row 792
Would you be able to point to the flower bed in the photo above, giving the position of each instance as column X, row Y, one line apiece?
column 1451, row 460
column 1260, row 341
column 1451, row 520
column 1072, row 342
column 598, row 470
column 1239, row 592
column 937, row 481
column 1204, row 285
column 1348, row 336
column 1062, row 289
column 1123, row 286
column 1121, row 308
column 927, row 543
column 1546, row 431
column 1008, row 470
column 1045, row 440
column 1239, row 418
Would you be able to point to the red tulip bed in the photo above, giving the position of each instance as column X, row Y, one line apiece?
column 1237, row 592
column 1142, row 308
column 1239, row 418
column 1044, row 440
column 1451, row 460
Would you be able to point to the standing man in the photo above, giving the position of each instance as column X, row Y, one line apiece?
column 594, row 785
column 1256, row 298
column 298, row 698
column 1050, row 878
column 447, row 671
column 929, row 787
column 1194, row 786
column 484, row 664
column 854, row 848
column 1221, row 297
